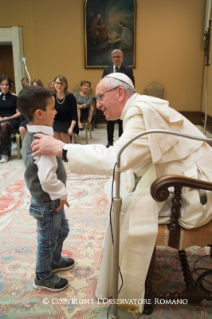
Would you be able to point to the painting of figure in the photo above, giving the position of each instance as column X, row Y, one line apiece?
column 109, row 25
column 98, row 31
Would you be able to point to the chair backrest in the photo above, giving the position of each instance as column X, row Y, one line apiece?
column 77, row 88
column 154, row 89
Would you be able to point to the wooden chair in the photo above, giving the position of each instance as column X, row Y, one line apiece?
column 87, row 125
column 94, row 117
column 154, row 89
column 173, row 235
column 15, row 134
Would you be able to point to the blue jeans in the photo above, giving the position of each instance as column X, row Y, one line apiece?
column 52, row 229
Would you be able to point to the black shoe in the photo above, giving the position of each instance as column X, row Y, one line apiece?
column 53, row 283
column 65, row 160
column 81, row 128
column 65, row 264
column 109, row 144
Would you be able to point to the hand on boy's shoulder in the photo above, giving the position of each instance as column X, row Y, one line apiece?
column 46, row 145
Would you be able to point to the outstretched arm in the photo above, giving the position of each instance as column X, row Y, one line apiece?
column 46, row 145
column 84, row 159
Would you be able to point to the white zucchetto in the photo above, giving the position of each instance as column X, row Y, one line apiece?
column 121, row 77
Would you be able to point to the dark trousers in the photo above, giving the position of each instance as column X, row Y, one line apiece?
column 5, row 133
column 110, row 129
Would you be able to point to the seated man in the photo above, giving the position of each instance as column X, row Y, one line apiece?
column 148, row 157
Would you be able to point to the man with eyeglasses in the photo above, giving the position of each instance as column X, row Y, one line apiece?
column 145, row 159
column 116, row 66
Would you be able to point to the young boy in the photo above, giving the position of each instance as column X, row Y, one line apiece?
column 46, row 179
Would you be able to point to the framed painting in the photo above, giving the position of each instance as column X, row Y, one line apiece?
column 109, row 25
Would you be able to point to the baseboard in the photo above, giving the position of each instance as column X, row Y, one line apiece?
column 209, row 123
column 101, row 125
column 197, row 118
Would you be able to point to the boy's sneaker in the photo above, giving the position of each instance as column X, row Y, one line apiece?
column 53, row 283
column 65, row 264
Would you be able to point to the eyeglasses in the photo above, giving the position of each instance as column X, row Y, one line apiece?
column 116, row 57
column 100, row 95
column 59, row 83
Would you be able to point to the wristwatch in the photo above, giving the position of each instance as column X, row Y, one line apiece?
column 65, row 149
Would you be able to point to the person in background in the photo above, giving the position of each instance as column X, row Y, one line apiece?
column 25, row 82
column 23, row 127
column 46, row 180
column 37, row 82
column 0, row 81
column 51, row 86
column 12, row 84
column 65, row 123
column 84, row 103
column 9, row 117
column 116, row 66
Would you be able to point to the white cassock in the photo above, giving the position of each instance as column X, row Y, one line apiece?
column 148, row 157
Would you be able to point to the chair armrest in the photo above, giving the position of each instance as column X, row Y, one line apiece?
column 160, row 192
column 159, row 188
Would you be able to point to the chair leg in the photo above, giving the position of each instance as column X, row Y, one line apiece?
column 10, row 148
column 90, row 130
column 148, row 308
column 18, row 142
column 185, row 268
column 192, row 293
column 80, row 137
column 86, row 128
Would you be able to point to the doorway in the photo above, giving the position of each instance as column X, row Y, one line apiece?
column 6, row 63
column 12, row 37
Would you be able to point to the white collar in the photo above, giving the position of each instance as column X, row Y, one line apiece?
column 40, row 128
column 129, row 102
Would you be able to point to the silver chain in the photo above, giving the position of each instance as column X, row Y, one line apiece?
column 62, row 100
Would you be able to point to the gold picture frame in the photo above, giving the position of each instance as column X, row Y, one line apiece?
column 109, row 25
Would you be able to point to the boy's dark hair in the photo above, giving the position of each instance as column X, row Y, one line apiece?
column 32, row 98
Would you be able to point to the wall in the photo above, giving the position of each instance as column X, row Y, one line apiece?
column 169, row 44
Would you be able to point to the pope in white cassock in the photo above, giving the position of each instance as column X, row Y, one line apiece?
column 148, row 158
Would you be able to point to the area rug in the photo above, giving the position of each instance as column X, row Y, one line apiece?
column 87, row 216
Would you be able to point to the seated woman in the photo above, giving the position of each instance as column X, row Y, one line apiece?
column 23, row 127
column 37, row 82
column 65, row 123
column 24, row 121
column 84, row 103
column 51, row 86
column 9, row 117
column 25, row 82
